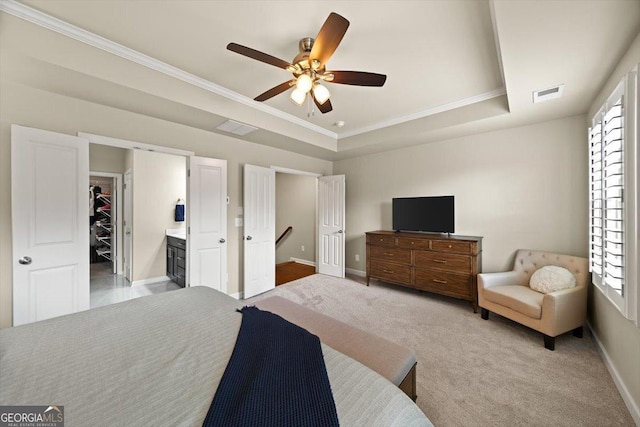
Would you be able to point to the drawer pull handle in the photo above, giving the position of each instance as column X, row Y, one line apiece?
column 382, row 240
column 387, row 271
column 388, row 253
column 444, row 282
column 412, row 243
column 450, row 246
column 440, row 261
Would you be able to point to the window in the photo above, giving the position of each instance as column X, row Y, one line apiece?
column 613, row 196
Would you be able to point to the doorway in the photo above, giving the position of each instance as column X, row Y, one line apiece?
column 295, row 226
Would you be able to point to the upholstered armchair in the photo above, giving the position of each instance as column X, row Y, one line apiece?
column 508, row 294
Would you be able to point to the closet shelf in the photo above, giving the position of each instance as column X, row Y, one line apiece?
column 104, row 253
column 106, row 212
column 105, row 197
column 104, row 239
column 104, row 225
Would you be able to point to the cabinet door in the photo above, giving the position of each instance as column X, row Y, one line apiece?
column 170, row 261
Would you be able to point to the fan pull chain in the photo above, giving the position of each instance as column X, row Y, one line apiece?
column 310, row 111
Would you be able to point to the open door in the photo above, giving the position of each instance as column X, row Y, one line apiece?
column 207, row 222
column 259, row 230
column 50, row 224
column 331, row 212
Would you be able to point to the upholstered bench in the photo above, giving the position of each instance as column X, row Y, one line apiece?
column 393, row 361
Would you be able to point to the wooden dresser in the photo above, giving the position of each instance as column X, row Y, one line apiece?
column 446, row 265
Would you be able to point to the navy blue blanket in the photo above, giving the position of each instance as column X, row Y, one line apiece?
column 276, row 377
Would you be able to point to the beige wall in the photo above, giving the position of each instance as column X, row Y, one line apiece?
column 296, row 207
column 159, row 180
column 619, row 337
column 518, row 188
column 35, row 108
column 103, row 158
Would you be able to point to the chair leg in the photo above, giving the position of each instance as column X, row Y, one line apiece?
column 549, row 342
column 484, row 313
column 578, row 332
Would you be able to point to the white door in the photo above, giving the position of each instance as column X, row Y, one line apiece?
column 259, row 230
column 331, row 205
column 50, row 220
column 207, row 221
column 127, row 224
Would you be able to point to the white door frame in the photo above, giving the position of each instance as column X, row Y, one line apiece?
column 132, row 145
column 119, row 232
column 279, row 169
column 128, row 222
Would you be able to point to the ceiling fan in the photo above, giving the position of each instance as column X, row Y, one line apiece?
column 309, row 66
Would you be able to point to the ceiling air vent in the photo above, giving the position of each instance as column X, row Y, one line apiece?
column 236, row 128
column 547, row 94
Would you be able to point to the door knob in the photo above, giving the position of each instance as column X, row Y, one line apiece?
column 249, row 237
column 222, row 240
column 339, row 231
column 25, row 260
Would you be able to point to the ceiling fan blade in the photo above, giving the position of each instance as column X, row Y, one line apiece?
column 257, row 55
column 329, row 37
column 357, row 78
column 275, row 91
column 324, row 108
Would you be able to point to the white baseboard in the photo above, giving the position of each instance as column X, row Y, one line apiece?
column 150, row 281
column 356, row 272
column 303, row 261
column 632, row 406
column 237, row 295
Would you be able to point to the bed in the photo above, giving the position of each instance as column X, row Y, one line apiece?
column 158, row 360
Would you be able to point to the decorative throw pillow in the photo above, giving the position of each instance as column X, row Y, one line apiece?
column 551, row 278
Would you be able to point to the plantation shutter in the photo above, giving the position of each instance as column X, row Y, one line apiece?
column 612, row 189
column 596, row 211
column 606, row 158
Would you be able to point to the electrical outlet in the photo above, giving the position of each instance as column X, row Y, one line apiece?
column 357, row 257
column 302, row 248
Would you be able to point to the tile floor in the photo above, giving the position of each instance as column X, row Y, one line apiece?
column 107, row 288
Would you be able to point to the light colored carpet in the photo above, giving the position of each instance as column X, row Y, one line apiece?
column 473, row 372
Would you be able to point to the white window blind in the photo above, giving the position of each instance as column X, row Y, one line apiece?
column 613, row 216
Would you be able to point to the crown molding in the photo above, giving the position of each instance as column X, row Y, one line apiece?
column 49, row 22
column 428, row 112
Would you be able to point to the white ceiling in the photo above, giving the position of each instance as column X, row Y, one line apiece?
column 448, row 63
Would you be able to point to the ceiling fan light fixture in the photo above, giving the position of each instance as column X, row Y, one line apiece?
column 298, row 96
column 304, row 83
column 320, row 93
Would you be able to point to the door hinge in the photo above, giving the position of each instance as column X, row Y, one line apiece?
column 227, row 199
column 189, row 230
column 188, row 172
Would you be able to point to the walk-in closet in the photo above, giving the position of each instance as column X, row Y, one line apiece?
column 102, row 224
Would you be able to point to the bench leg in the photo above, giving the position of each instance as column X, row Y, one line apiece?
column 549, row 342
column 408, row 385
column 578, row 332
column 484, row 313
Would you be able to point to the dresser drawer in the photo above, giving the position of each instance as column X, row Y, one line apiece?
column 444, row 261
column 407, row 242
column 391, row 254
column 456, row 285
column 381, row 240
column 391, row 271
column 451, row 246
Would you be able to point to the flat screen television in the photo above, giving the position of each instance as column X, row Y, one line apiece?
column 426, row 214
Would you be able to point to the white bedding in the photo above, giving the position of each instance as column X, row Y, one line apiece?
column 157, row 361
